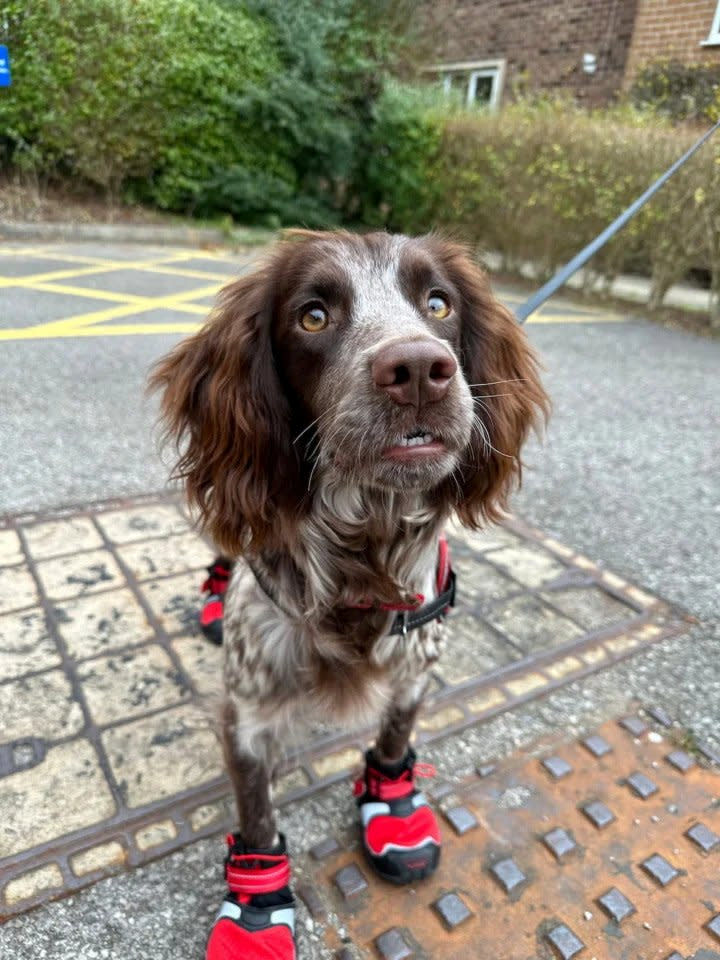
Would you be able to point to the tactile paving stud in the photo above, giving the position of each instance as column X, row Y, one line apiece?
column 597, row 745
column 312, row 900
column 710, row 753
column 350, row 881
column 393, row 946
column 461, row 819
column 485, row 769
column 557, row 767
column 598, row 814
column 681, row 761
column 705, row 838
column 441, row 790
column 453, row 911
column 559, row 842
column 660, row 715
column 326, row 848
column 508, row 874
column 642, row 785
column 564, row 942
column 659, row 869
column 634, row 725
column 714, row 926
column 616, row 905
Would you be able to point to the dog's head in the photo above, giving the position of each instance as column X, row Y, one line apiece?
column 381, row 360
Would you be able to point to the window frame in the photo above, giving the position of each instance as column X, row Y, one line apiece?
column 713, row 38
column 472, row 71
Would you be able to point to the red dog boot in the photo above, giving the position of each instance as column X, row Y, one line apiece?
column 212, row 609
column 257, row 918
column 401, row 836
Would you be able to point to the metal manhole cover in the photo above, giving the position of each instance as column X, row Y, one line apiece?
column 547, row 880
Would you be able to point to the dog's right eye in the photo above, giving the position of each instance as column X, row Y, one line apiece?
column 314, row 319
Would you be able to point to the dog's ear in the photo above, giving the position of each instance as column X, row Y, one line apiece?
column 508, row 397
column 224, row 407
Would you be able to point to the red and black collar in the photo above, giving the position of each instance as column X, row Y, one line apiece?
column 409, row 616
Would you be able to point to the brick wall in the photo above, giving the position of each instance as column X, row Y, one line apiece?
column 672, row 29
column 541, row 40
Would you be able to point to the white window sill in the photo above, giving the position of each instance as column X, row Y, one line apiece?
column 711, row 42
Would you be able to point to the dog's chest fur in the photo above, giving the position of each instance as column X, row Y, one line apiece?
column 292, row 634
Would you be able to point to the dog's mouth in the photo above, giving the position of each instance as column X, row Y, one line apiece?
column 415, row 445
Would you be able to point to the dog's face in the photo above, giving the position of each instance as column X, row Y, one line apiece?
column 380, row 360
column 367, row 340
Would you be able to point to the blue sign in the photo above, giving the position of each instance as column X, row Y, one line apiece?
column 5, row 78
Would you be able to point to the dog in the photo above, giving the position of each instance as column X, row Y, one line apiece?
column 341, row 403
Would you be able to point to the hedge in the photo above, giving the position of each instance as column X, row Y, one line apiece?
column 257, row 108
column 130, row 92
column 536, row 182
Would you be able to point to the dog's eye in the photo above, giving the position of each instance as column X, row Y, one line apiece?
column 438, row 306
column 314, row 319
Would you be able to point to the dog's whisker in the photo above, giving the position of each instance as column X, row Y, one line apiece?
column 494, row 383
column 325, row 413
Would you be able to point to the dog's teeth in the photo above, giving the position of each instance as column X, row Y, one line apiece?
column 427, row 438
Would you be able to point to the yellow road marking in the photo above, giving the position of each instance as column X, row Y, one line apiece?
column 22, row 252
column 125, row 329
column 85, row 292
column 163, row 265
column 141, row 303
column 70, row 326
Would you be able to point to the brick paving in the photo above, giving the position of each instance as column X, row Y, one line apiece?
column 108, row 756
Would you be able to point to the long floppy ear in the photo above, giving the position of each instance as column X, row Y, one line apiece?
column 223, row 405
column 509, row 399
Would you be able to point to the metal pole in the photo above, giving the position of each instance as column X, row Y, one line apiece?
column 563, row 275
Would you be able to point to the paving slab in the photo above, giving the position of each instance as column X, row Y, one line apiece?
column 110, row 693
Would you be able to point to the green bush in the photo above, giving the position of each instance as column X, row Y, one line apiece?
column 681, row 91
column 536, row 182
column 116, row 91
column 315, row 114
column 396, row 187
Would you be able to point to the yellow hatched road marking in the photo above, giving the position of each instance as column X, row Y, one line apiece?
column 141, row 305
column 114, row 266
column 125, row 329
column 85, row 292
column 22, row 252
column 156, row 265
column 70, row 325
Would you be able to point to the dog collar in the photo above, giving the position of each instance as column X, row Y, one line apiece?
column 411, row 616
column 408, row 617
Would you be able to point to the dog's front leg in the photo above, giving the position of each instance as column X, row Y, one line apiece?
column 257, row 916
column 250, row 758
column 400, row 835
column 399, row 719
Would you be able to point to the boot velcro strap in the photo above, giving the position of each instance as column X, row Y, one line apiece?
column 254, row 879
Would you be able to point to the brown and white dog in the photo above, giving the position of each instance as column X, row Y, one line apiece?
column 341, row 403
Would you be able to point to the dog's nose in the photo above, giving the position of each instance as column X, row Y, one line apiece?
column 414, row 372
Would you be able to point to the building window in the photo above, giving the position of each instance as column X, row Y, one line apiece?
column 714, row 36
column 479, row 83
